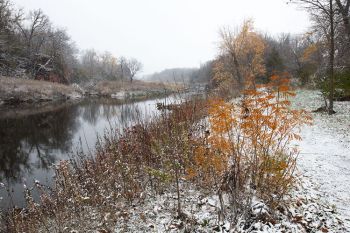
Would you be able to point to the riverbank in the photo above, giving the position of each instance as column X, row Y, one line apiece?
column 135, row 151
column 35, row 136
column 14, row 91
column 35, row 108
column 135, row 90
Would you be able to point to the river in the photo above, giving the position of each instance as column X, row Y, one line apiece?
column 34, row 138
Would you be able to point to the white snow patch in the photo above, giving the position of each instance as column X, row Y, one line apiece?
column 325, row 151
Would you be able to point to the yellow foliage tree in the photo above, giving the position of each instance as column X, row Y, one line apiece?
column 241, row 58
column 309, row 52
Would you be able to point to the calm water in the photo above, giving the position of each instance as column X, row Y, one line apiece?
column 34, row 138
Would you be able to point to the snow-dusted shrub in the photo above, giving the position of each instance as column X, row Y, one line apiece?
column 247, row 151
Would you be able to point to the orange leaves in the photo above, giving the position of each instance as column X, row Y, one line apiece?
column 191, row 173
column 283, row 88
column 310, row 51
column 254, row 135
column 274, row 78
column 221, row 113
column 250, row 46
column 210, row 162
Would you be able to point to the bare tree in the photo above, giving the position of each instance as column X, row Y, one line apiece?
column 90, row 62
column 109, row 65
column 134, row 66
column 29, row 44
column 62, row 51
column 8, row 18
column 123, row 67
column 323, row 14
column 9, row 43
column 34, row 34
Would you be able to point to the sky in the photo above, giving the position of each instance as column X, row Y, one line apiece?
column 164, row 33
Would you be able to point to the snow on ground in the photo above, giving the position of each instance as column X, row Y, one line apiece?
column 303, row 212
column 325, row 151
column 319, row 203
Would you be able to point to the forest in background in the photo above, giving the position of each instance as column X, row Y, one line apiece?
column 32, row 47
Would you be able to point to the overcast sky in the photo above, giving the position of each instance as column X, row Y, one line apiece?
column 164, row 33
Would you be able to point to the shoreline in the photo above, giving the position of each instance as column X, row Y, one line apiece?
column 27, row 109
column 16, row 92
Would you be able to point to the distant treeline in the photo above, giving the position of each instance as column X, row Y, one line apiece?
column 202, row 74
column 32, row 47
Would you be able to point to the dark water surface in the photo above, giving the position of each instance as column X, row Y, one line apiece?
column 34, row 138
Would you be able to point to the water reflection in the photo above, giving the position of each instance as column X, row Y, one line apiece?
column 40, row 135
column 33, row 139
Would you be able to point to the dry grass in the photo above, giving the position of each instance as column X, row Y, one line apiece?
column 125, row 168
column 25, row 90
column 17, row 90
column 112, row 87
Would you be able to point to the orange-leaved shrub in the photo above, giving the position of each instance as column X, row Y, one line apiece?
column 247, row 152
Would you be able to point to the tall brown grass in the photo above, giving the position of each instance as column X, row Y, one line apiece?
column 147, row 157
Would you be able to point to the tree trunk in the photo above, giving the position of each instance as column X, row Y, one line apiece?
column 344, row 11
column 331, row 59
column 238, row 72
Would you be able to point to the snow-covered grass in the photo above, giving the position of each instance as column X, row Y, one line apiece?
column 325, row 151
column 303, row 211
